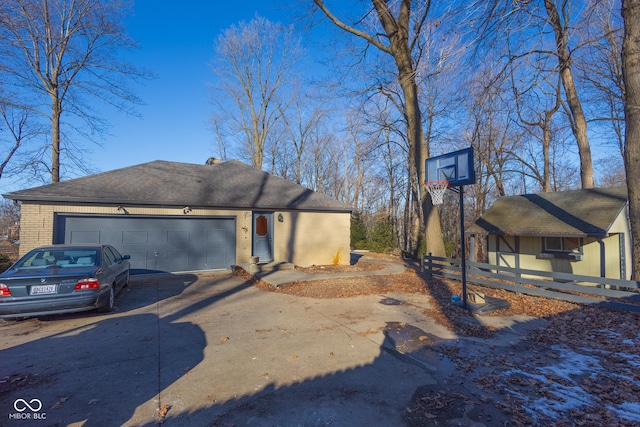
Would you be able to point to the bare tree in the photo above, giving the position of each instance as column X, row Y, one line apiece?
column 14, row 126
column 525, row 25
column 216, row 126
column 561, row 27
column 631, row 72
column 60, row 53
column 400, row 37
column 254, row 63
column 541, row 100
column 489, row 132
column 599, row 67
column 303, row 119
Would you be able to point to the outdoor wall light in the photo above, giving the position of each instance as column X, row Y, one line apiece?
column 186, row 210
column 280, row 218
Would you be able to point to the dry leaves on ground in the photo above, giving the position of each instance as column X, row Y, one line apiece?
column 537, row 379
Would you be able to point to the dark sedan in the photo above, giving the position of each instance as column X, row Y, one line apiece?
column 63, row 279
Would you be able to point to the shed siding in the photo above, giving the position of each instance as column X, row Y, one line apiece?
column 621, row 225
column 530, row 247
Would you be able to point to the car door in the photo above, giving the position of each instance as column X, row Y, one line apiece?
column 119, row 267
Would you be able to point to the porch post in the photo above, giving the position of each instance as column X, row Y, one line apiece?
column 603, row 260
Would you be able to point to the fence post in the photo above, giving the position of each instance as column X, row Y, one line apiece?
column 430, row 273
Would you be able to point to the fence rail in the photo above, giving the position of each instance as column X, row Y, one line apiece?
column 612, row 293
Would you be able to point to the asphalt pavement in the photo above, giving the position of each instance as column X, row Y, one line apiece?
column 212, row 350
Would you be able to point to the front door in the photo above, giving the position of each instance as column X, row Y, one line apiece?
column 263, row 236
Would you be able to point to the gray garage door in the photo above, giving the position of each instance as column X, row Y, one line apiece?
column 157, row 243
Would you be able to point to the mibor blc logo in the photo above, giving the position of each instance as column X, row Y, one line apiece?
column 27, row 410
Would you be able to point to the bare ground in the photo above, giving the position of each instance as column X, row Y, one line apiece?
column 580, row 368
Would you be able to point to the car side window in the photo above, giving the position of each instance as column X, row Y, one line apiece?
column 116, row 255
column 108, row 257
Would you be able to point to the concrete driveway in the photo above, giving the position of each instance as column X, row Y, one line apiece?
column 202, row 350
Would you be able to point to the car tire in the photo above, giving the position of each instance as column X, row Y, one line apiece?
column 108, row 306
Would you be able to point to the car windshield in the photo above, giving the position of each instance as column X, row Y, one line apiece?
column 62, row 258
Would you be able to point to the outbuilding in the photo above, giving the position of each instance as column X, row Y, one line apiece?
column 171, row 216
column 583, row 232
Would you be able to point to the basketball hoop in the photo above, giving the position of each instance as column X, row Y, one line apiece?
column 437, row 189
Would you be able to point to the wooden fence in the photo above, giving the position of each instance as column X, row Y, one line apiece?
column 612, row 293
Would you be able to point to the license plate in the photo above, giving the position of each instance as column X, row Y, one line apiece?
column 44, row 289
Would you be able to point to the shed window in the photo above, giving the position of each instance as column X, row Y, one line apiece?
column 562, row 244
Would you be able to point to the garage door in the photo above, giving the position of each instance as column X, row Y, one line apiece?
column 157, row 243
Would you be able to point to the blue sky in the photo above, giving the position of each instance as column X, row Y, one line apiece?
column 176, row 43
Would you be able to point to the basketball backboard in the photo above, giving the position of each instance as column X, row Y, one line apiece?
column 455, row 167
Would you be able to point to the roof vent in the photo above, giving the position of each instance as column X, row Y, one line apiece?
column 212, row 161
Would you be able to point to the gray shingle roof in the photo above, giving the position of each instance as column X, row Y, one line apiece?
column 230, row 184
column 576, row 213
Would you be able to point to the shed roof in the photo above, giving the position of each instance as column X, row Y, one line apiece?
column 574, row 213
column 230, row 184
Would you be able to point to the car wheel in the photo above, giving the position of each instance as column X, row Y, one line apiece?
column 108, row 306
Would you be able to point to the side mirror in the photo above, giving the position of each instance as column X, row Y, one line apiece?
column 126, row 256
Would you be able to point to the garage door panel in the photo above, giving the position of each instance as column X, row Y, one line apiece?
column 84, row 237
column 178, row 236
column 157, row 243
column 133, row 237
column 178, row 261
column 215, row 257
column 137, row 258
column 217, row 235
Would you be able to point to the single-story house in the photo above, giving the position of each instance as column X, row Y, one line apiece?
column 173, row 216
column 584, row 232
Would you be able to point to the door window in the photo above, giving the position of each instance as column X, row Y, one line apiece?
column 108, row 257
column 262, row 226
column 113, row 253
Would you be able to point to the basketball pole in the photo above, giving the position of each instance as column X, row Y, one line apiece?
column 464, row 251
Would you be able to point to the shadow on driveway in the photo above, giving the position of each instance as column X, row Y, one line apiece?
column 100, row 370
column 216, row 352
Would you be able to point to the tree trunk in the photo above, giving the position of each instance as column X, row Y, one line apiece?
column 546, row 144
column 631, row 72
column 396, row 28
column 398, row 33
column 578, row 121
column 56, row 112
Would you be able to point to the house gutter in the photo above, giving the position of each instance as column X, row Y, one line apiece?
column 118, row 202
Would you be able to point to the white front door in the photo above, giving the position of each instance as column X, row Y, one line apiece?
column 263, row 236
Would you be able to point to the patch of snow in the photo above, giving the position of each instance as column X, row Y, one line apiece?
column 610, row 333
column 632, row 359
column 569, row 395
column 628, row 410
column 568, row 398
column 573, row 363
